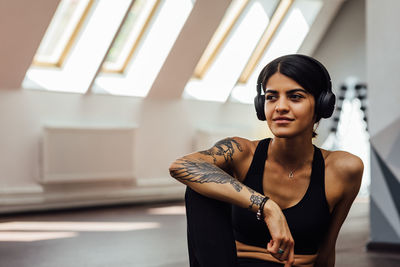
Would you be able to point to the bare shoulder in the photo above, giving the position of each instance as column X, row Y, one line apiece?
column 346, row 168
column 247, row 145
column 240, row 141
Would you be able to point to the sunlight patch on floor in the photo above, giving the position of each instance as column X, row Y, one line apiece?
column 171, row 210
column 34, row 236
column 78, row 226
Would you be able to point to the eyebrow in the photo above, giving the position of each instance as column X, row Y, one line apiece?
column 289, row 92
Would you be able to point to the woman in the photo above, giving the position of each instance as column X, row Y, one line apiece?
column 289, row 197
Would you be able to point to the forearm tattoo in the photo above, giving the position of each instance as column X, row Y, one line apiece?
column 250, row 190
column 225, row 148
column 198, row 171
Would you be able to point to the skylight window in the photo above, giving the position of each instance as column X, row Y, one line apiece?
column 62, row 31
column 85, row 56
column 223, row 30
column 113, row 47
column 149, row 53
column 223, row 72
column 128, row 38
column 287, row 40
column 276, row 20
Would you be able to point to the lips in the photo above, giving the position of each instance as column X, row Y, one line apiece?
column 282, row 119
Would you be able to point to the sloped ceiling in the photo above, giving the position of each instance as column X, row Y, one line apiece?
column 22, row 26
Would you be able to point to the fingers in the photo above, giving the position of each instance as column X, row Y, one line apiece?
column 290, row 260
column 270, row 246
column 282, row 250
column 274, row 246
column 288, row 256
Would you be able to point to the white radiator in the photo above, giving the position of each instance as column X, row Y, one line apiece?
column 85, row 154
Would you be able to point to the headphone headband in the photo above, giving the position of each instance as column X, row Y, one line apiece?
column 324, row 70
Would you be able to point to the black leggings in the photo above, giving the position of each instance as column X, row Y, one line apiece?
column 210, row 235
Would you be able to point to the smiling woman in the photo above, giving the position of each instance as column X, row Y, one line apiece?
column 290, row 198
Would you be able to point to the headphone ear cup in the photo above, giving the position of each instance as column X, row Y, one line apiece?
column 326, row 104
column 259, row 102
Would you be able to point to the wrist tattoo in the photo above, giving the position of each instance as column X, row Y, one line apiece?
column 225, row 148
column 197, row 171
column 255, row 200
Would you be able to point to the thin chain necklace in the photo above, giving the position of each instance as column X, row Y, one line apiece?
column 291, row 173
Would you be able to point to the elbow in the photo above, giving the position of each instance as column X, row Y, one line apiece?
column 174, row 168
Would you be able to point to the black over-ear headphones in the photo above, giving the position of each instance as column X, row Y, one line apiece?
column 324, row 105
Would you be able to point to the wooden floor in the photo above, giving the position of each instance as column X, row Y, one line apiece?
column 139, row 235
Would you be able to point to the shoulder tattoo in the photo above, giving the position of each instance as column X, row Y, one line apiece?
column 225, row 148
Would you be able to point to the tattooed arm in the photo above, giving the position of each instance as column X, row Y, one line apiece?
column 212, row 173
column 211, row 181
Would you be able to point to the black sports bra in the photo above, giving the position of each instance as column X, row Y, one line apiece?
column 308, row 220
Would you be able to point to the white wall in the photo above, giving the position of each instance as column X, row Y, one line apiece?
column 343, row 48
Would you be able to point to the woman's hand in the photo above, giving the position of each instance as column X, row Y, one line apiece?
column 281, row 246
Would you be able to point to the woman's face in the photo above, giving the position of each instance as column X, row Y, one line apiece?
column 289, row 108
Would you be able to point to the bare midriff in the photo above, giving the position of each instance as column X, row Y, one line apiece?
column 248, row 251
